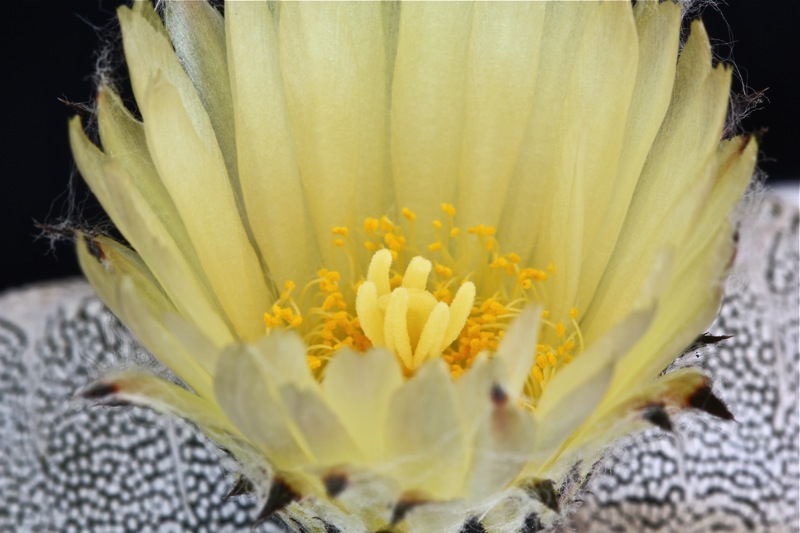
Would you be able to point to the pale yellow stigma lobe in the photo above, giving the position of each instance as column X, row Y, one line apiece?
column 409, row 320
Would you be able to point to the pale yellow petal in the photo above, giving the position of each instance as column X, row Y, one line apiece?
column 517, row 349
column 283, row 357
column 194, row 174
column 148, row 51
column 328, row 439
column 106, row 262
column 89, row 160
column 736, row 160
column 574, row 141
column 332, row 60
column 358, row 387
column 138, row 221
column 145, row 213
column 501, row 448
column 690, row 302
column 675, row 184
column 243, row 391
column 140, row 316
column 204, row 348
column 502, row 63
column 147, row 11
column 268, row 171
column 164, row 397
column 197, row 32
column 624, row 415
column 474, row 388
column 423, row 428
column 658, row 30
column 576, row 390
column 130, row 291
column 428, row 102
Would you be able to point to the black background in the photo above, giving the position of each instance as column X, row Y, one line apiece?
column 50, row 49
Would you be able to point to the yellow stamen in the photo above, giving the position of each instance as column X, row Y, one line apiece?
column 419, row 316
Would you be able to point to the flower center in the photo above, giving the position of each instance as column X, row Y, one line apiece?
column 409, row 320
column 451, row 298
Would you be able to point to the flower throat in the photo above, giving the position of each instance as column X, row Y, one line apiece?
column 453, row 299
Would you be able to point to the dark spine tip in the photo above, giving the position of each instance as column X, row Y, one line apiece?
column 241, row 486
column 545, row 491
column 335, row 484
column 473, row 525
column 402, row 508
column 498, row 395
column 280, row 495
column 713, row 339
column 99, row 390
column 532, row 524
column 657, row 415
column 706, row 340
column 704, row 399
column 95, row 249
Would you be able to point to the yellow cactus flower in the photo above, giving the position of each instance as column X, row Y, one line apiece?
column 414, row 264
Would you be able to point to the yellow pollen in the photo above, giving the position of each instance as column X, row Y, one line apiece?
column 443, row 270
column 455, row 308
column 313, row 362
column 371, row 225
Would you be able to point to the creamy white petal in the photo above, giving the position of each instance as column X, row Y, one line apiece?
column 268, row 171
column 518, row 347
column 501, row 449
column 283, row 357
column 474, row 388
column 328, row 439
column 358, row 387
column 424, row 428
column 249, row 398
